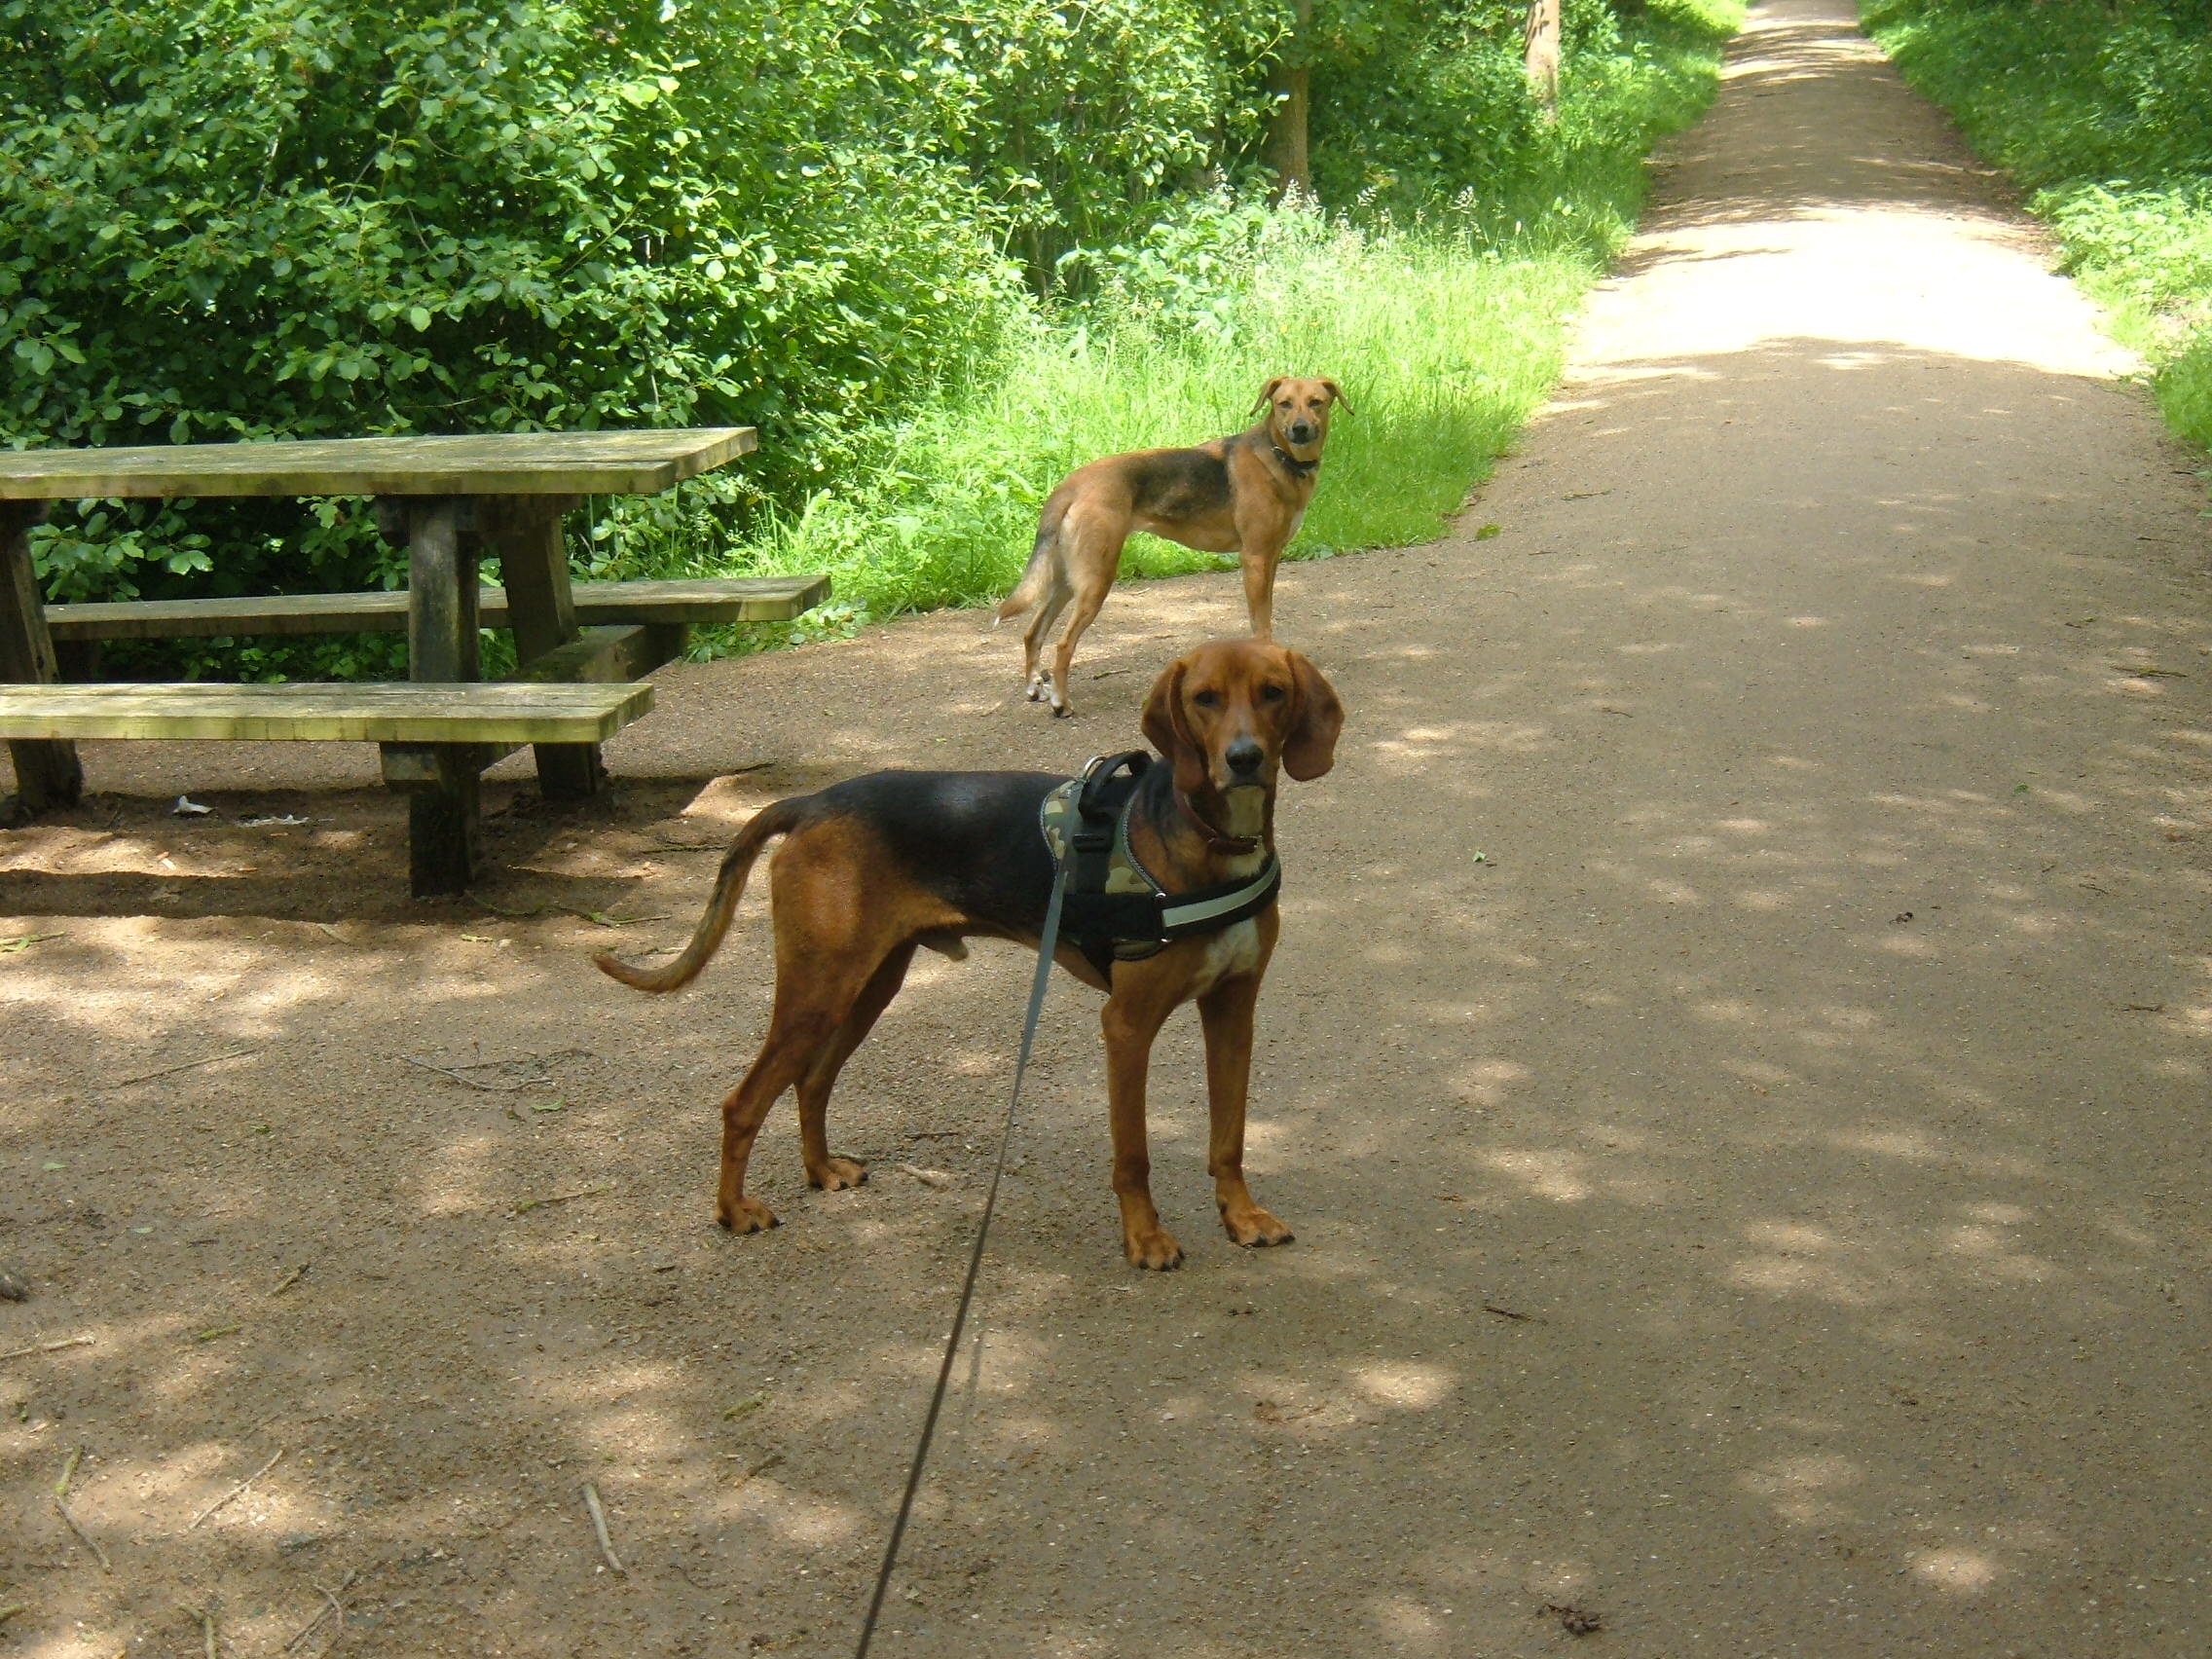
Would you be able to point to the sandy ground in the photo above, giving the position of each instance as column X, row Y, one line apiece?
column 1737, row 1067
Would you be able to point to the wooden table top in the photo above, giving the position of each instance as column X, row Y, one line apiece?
column 490, row 464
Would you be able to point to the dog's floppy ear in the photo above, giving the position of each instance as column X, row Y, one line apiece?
column 1268, row 393
column 1164, row 731
column 1337, row 392
column 1312, row 747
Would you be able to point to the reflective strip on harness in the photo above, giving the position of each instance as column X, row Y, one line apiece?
column 1249, row 899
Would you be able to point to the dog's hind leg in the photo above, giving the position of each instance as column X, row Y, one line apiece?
column 1034, row 636
column 1095, row 558
column 781, row 1059
column 835, row 929
column 835, row 1174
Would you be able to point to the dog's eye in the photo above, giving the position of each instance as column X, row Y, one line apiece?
column 1270, row 693
column 1206, row 699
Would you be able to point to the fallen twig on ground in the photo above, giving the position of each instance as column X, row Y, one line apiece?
column 48, row 1347
column 334, row 1609
column 528, row 1204
column 599, row 1526
column 61, row 1508
column 291, row 1278
column 937, row 1178
column 188, row 1065
column 760, row 1468
column 207, row 1617
column 476, row 1083
column 83, row 1538
column 1510, row 1314
column 239, row 1488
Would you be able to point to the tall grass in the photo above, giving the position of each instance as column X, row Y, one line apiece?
column 1446, row 327
column 1442, row 349
column 2106, row 114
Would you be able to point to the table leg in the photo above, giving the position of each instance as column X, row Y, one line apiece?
column 534, row 568
column 47, row 769
column 445, row 811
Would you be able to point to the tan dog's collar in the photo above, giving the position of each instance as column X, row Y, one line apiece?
column 1298, row 468
column 1215, row 838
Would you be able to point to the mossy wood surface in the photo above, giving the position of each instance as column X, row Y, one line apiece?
column 423, row 711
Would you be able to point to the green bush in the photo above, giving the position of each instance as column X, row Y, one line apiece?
column 2106, row 114
column 307, row 217
column 247, row 219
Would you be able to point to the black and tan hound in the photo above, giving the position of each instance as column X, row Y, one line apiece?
column 875, row 867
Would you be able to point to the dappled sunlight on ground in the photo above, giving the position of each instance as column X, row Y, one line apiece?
column 1759, row 1200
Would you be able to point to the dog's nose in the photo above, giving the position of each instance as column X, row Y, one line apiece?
column 1301, row 432
column 1244, row 757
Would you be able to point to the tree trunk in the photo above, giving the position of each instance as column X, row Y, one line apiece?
column 1540, row 51
column 1288, row 153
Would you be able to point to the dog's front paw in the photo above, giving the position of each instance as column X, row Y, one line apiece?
column 746, row 1215
column 1154, row 1250
column 1255, row 1228
column 836, row 1174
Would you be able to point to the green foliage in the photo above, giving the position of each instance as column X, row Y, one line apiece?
column 1436, row 107
column 251, row 218
column 247, row 219
column 1075, row 120
column 2106, row 114
column 1446, row 329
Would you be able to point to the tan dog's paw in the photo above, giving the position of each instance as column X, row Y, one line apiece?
column 1255, row 1228
column 838, row 1174
column 1154, row 1250
column 747, row 1215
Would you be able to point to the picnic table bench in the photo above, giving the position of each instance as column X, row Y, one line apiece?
column 450, row 501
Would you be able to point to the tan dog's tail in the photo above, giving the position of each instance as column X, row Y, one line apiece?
column 1037, row 578
column 729, row 887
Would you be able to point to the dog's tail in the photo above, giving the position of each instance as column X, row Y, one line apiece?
column 1036, row 576
column 729, row 887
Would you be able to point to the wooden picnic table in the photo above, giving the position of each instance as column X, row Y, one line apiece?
column 449, row 501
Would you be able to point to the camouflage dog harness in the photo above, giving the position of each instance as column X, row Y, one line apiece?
column 1114, row 909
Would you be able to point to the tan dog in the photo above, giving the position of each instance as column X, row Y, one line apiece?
column 877, row 866
column 1244, row 494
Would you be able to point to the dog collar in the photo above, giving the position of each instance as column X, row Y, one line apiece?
column 1220, row 840
column 1298, row 468
column 1114, row 909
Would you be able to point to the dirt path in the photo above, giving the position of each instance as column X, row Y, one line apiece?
column 1760, row 1202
